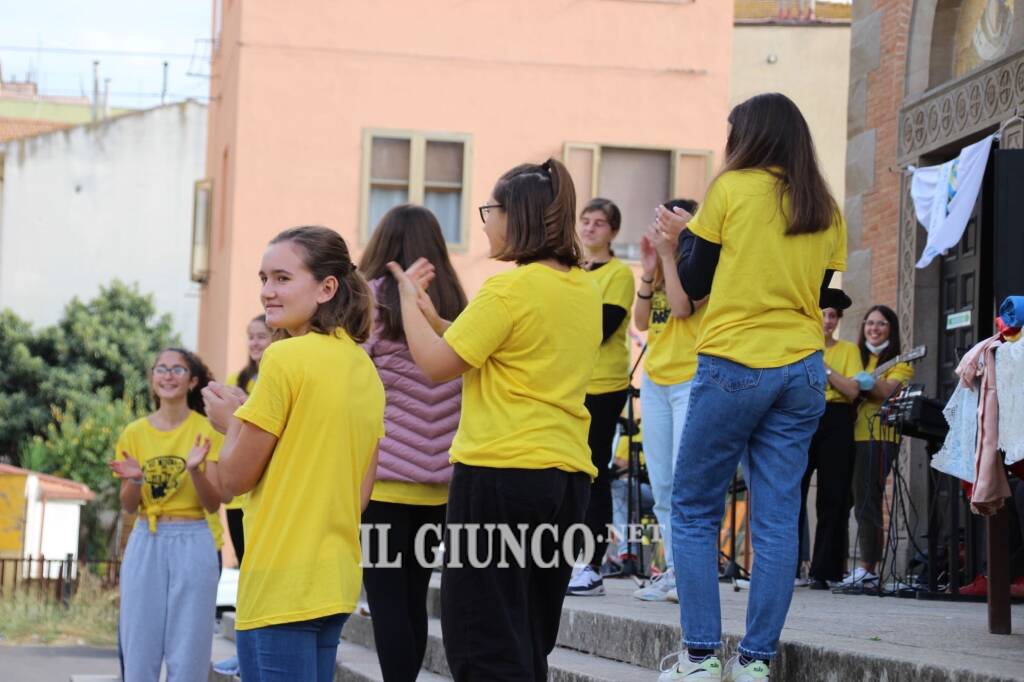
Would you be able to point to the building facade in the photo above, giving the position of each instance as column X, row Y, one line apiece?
column 330, row 113
column 927, row 78
column 90, row 203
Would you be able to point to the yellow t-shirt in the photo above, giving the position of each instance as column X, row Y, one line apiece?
column 406, row 492
column 213, row 521
column 614, row 280
column 532, row 335
column 322, row 397
column 866, row 426
column 660, row 312
column 672, row 354
column 843, row 357
column 763, row 310
column 238, row 501
column 168, row 488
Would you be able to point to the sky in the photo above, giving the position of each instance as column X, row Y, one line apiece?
column 32, row 33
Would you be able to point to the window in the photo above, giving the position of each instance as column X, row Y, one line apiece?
column 637, row 180
column 421, row 168
column 202, row 213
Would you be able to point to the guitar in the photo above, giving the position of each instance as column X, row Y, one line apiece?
column 913, row 355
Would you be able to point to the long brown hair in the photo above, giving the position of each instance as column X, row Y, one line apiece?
column 326, row 254
column 540, row 207
column 769, row 133
column 405, row 234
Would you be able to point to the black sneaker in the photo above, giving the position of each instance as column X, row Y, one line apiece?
column 819, row 584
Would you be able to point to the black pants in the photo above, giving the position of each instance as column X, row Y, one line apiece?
column 604, row 409
column 398, row 596
column 236, row 532
column 500, row 623
column 831, row 454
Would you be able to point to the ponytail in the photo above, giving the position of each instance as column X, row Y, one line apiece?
column 540, row 207
column 326, row 254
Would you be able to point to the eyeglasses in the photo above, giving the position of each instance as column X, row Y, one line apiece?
column 485, row 208
column 876, row 323
column 177, row 370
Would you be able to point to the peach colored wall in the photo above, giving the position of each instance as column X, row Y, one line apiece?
column 294, row 90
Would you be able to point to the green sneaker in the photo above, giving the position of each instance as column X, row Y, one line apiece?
column 755, row 671
column 684, row 670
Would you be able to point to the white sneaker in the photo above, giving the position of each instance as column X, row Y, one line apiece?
column 659, row 589
column 801, row 582
column 683, row 669
column 586, row 584
column 755, row 671
column 859, row 576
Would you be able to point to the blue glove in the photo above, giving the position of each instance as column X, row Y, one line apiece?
column 864, row 380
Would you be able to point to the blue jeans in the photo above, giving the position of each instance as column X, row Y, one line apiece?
column 305, row 651
column 664, row 410
column 764, row 418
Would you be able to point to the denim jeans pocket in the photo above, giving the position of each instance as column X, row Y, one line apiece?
column 732, row 376
column 815, row 367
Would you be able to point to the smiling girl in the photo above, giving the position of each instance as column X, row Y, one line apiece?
column 167, row 463
column 305, row 445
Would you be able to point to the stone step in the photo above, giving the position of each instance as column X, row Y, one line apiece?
column 565, row 665
column 359, row 664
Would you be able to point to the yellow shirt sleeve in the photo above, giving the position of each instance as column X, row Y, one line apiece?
column 480, row 329
column 838, row 260
column 901, row 372
column 620, row 289
column 710, row 218
column 271, row 401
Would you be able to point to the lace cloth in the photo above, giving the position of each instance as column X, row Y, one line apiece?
column 957, row 456
column 1010, row 388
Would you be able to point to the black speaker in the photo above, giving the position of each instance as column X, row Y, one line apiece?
column 1008, row 225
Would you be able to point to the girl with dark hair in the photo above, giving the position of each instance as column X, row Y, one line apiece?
column 420, row 419
column 305, row 445
column 526, row 345
column 875, row 445
column 669, row 367
column 259, row 336
column 767, row 239
column 167, row 463
column 599, row 224
column 831, row 450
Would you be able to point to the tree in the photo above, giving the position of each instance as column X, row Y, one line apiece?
column 22, row 372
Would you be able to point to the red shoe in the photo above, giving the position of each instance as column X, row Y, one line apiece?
column 978, row 588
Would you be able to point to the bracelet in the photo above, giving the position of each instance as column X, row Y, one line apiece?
column 136, row 481
column 645, row 298
column 647, row 281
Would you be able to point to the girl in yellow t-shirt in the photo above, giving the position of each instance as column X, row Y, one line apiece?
column 167, row 463
column 831, row 450
column 599, row 224
column 525, row 347
column 876, row 445
column 258, row 336
column 768, row 237
column 669, row 366
column 305, row 445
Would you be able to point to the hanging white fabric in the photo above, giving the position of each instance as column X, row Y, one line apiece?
column 944, row 197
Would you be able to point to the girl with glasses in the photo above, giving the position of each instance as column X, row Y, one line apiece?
column 167, row 463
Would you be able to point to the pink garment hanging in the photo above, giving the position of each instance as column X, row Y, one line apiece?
column 991, row 486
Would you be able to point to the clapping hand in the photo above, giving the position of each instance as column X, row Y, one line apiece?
column 221, row 402
column 663, row 245
column 672, row 223
column 648, row 257
column 127, row 468
column 200, row 449
column 414, row 282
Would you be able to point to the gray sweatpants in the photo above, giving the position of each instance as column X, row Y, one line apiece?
column 168, row 595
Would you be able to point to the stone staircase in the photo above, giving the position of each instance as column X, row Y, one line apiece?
column 828, row 638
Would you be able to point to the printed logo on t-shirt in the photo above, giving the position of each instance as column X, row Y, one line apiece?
column 164, row 475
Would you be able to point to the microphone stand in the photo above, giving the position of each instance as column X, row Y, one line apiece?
column 633, row 565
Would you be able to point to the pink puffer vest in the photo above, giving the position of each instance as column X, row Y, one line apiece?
column 420, row 416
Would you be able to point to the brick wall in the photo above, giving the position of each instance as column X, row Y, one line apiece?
column 879, row 37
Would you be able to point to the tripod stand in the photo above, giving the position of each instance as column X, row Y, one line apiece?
column 633, row 565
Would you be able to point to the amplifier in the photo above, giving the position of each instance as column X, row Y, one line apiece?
column 915, row 415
